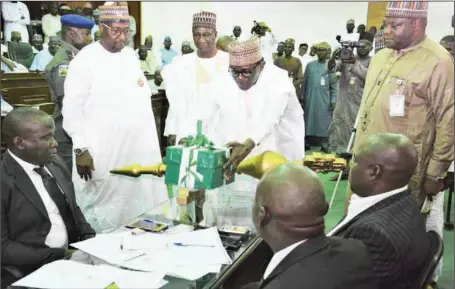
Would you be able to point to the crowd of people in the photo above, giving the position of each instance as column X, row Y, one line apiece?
column 251, row 100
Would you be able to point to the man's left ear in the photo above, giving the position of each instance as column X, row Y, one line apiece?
column 374, row 172
column 18, row 142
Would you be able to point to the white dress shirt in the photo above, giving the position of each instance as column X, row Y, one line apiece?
column 358, row 204
column 278, row 257
column 58, row 235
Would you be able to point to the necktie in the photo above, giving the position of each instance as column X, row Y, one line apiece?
column 60, row 201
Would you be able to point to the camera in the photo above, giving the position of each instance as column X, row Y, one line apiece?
column 256, row 28
column 347, row 49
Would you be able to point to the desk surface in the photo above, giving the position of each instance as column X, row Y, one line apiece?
column 238, row 213
column 234, row 209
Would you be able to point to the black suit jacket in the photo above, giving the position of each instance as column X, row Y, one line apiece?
column 324, row 263
column 25, row 222
column 394, row 232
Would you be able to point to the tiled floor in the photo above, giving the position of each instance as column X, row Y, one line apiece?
column 336, row 212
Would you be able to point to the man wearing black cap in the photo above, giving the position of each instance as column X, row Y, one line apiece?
column 75, row 35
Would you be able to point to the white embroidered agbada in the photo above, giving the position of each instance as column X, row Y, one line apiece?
column 269, row 113
column 186, row 78
column 107, row 108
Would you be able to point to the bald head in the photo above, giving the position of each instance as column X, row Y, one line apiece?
column 290, row 205
column 28, row 133
column 382, row 163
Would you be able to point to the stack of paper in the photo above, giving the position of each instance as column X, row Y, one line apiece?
column 65, row 274
column 187, row 255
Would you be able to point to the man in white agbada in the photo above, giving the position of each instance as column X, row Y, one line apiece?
column 51, row 22
column 257, row 109
column 188, row 76
column 16, row 17
column 108, row 114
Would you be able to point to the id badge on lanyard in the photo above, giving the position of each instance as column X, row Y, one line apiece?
column 397, row 101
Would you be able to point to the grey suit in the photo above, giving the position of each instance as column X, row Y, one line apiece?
column 25, row 221
column 394, row 232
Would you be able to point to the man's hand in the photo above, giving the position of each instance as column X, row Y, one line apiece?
column 183, row 141
column 331, row 107
column 69, row 253
column 238, row 153
column 171, row 140
column 331, row 64
column 432, row 187
column 84, row 165
column 351, row 60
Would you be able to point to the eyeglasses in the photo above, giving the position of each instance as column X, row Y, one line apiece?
column 117, row 32
column 245, row 73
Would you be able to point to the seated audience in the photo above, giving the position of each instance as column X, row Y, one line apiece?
column 37, row 43
column 45, row 56
column 288, row 214
column 39, row 214
column 382, row 212
column 21, row 52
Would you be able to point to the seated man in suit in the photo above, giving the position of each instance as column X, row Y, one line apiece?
column 289, row 214
column 382, row 212
column 39, row 213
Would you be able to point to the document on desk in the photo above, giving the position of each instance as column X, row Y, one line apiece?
column 201, row 247
column 198, row 253
column 118, row 247
column 65, row 274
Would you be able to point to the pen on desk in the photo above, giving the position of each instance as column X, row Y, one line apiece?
column 192, row 245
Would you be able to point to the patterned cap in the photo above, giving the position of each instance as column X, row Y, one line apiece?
column 114, row 11
column 186, row 43
column 350, row 21
column 245, row 53
column 407, row 9
column 204, row 19
column 379, row 42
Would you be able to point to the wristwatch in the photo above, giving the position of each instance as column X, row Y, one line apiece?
column 80, row 151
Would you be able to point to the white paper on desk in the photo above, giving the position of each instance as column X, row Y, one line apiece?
column 126, row 279
column 195, row 255
column 107, row 247
column 65, row 274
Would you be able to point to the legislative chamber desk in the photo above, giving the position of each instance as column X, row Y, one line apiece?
column 248, row 262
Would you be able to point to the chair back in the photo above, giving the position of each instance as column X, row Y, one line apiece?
column 436, row 251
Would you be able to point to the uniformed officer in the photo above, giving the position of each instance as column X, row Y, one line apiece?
column 75, row 35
